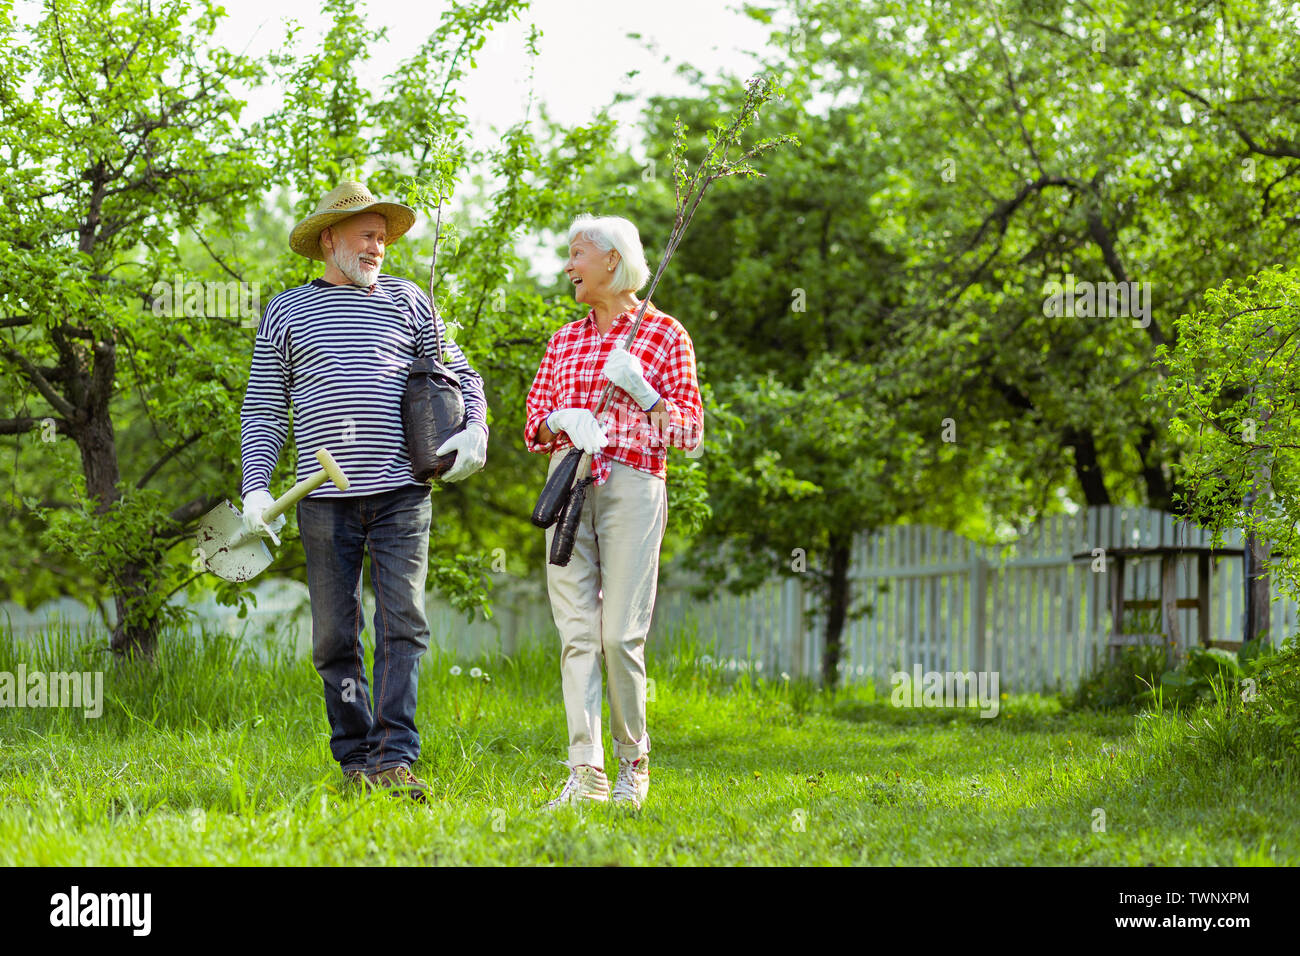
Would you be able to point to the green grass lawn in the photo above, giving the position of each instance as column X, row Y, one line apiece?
column 219, row 756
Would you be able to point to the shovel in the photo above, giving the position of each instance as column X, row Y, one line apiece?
column 230, row 552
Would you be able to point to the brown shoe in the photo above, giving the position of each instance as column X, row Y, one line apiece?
column 356, row 778
column 398, row 779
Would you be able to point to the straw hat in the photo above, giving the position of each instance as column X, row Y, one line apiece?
column 344, row 200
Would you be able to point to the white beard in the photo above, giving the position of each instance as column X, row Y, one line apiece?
column 349, row 263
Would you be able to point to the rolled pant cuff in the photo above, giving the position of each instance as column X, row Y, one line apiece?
column 591, row 756
column 634, row 751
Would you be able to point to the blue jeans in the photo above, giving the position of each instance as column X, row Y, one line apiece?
column 394, row 527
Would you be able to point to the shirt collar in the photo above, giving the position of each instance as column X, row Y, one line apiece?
column 320, row 283
column 622, row 319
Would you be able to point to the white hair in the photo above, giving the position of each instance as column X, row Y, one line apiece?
column 615, row 232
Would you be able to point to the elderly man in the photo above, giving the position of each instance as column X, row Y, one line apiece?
column 337, row 350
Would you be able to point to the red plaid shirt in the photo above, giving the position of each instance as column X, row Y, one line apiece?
column 570, row 377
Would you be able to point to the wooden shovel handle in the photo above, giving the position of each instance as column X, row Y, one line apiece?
column 329, row 470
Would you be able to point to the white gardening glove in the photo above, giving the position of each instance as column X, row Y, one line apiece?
column 253, row 505
column 624, row 370
column 581, row 427
column 470, row 447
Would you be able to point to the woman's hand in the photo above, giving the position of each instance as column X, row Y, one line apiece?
column 624, row 370
column 581, row 427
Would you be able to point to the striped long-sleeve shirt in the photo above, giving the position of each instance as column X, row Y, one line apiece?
column 338, row 355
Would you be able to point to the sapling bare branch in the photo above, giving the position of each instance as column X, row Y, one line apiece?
column 688, row 192
column 433, row 260
column 446, row 156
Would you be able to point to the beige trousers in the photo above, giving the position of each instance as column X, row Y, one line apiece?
column 602, row 602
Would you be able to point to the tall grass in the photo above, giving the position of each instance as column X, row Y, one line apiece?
column 217, row 752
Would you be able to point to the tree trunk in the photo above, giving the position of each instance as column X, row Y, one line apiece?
column 1086, row 467
column 1160, row 492
column 837, row 608
column 1256, row 576
column 138, row 623
column 1258, row 596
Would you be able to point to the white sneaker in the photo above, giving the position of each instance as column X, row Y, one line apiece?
column 585, row 783
column 633, row 782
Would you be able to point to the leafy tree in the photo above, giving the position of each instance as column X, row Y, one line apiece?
column 957, row 163
column 1033, row 142
column 1231, row 393
column 132, row 170
column 118, row 125
column 791, row 293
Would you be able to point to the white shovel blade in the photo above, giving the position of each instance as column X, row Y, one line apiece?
column 228, row 551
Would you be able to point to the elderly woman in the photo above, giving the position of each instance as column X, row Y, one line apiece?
column 603, row 599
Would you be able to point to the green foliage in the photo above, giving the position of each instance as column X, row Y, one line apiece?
column 1241, row 708
column 1231, row 390
column 888, row 281
column 150, row 176
column 952, row 162
column 871, row 784
column 1275, row 724
column 1196, row 678
column 1252, row 715
column 465, row 580
column 120, row 123
column 984, row 152
column 1122, row 684
column 1251, row 652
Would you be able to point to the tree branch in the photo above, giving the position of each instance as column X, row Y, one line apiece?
column 194, row 508
column 170, row 454
column 1283, row 149
column 19, row 426
column 57, row 401
column 215, row 258
column 1015, row 101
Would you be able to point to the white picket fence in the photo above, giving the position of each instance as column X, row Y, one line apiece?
column 1029, row 611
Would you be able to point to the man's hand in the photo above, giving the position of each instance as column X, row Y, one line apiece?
column 253, row 506
column 470, row 447
column 581, row 427
column 624, row 370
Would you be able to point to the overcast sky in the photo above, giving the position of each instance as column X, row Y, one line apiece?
column 585, row 56
column 585, row 51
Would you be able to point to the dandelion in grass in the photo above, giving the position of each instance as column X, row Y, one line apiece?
column 455, row 692
column 483, row 680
